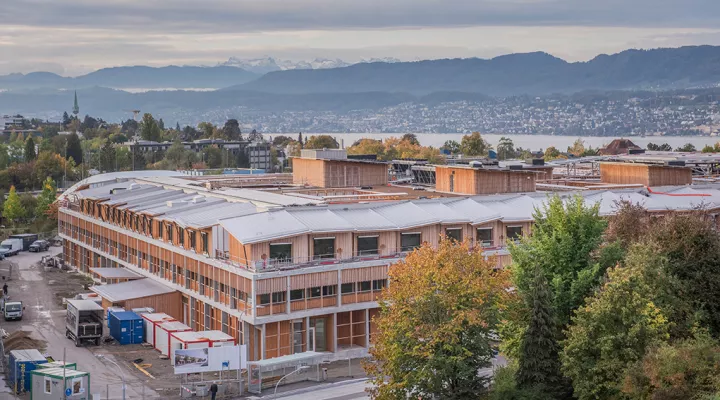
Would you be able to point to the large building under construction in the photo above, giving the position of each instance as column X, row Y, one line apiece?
column 291, row 268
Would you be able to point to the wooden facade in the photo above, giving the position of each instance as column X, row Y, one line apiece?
column 339, row 173
column 644, row 174
column 466, row 180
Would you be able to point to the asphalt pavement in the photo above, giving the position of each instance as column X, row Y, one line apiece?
column 45, row 319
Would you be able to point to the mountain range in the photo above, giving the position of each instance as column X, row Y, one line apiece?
column 178, row 77
column 264, row 65
column 514, row 74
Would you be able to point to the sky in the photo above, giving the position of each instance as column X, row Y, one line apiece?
column 72, row 37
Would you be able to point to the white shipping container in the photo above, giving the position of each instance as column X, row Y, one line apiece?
column 150, row 321
column 162, row 335
column 198, row 340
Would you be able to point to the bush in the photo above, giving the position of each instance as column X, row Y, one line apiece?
column 504, row 387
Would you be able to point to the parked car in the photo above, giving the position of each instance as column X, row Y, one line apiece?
column 39, row 245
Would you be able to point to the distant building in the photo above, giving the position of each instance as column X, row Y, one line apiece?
column 331, row 168
column 478, row 180
column 620, row 146
column 258, row 152
column 11, row 122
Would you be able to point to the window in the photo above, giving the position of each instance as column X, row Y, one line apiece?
column 367, row 245
column 204, row 239
column 314, row 292
column 330, row 290
column 379, row 284
column 264, row 299
column 280, row 252
column 169, row 233
column 347, row 288
column 485, row 237
column 278, row 297
column 365, row 286
column 193, row 240
column 181, row 236
column 48, row 385
column 297, row 294
column 410, row 241
column 513, row 233
column 160, row 230
column 454, row 234
column 150, row 227
column 323, row 248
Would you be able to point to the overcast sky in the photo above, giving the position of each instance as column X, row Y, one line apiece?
column 71, row 37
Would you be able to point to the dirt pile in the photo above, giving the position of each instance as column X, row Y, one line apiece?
column 21, row 340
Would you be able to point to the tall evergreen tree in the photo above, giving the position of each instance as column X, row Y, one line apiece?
column 74, row 148
column 30, row 154
column 300, row 140
column 539, row 362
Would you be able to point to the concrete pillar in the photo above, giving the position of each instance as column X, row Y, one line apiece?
column 262, row 342
column 287, row 296
column 335, row 336
column 367, row 328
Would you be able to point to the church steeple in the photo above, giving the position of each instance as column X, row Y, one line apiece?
column 76, row 107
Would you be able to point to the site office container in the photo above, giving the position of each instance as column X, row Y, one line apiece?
column 52, row 384
column 150, row 321
column 111, row 310
column 57, row 364
column 126, row 327
column 20, row 365
column 163, row 332
column 198, row 340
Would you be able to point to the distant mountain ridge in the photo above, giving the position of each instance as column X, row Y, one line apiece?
column 180, row 77
column 513, row 74
column 270, row 64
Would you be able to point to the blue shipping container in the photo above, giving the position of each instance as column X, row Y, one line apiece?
column 126, row 327
column 21, row 363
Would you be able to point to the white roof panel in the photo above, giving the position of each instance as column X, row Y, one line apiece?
column 365, row 219
column 406, row 215
column 263, row 226
column 131, row 290
column 208, row 216
column 443, row 212
column 476, row 212
column 322, row 220
column 114, row 273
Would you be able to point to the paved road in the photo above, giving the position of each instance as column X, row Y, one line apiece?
column 46, row 320
column 347, row 391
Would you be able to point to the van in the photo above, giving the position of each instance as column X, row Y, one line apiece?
column 11, row 246
column 13, row 310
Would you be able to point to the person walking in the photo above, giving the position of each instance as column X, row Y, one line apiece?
column 5, row 289
column 213, row 390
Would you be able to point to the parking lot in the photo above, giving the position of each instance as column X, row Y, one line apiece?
column 41, row 291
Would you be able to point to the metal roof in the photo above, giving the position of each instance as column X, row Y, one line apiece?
column 212, row 214
column 114, row 273
column 131, row 290
column 265, row 197
column 84, row 305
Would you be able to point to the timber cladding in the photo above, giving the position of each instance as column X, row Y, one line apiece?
column 644, row 174
column 338, row 173
column 467, row 180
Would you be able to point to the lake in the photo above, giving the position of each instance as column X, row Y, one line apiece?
column 532, row 142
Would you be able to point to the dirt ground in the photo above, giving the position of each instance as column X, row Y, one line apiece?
column 64, row 284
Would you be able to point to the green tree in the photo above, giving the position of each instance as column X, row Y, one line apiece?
column 231, row 130
column 4, row 156
column 474, row 145
column 13, row 209
column 662, row 147
column 411, row 138
column 281, row 141
column 108, row 160
column 149, row 128
column 178, row 157
column 321, row 142
column 505, row 149
column 577, row 149
column 46, row 198
column 539, row 362
column 207, row 130
column 434, row 324
column 551, row 153
column 73, row 148
column 451, row 146
column 617, row 326
column 213, row 157
column 687, row 148
column 30, row 149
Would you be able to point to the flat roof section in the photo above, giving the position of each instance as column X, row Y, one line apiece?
column 136, row 289
column 115, row 273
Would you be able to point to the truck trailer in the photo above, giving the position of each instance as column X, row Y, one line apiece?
column 84, row 321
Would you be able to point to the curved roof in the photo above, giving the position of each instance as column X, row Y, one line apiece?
column 112, row 177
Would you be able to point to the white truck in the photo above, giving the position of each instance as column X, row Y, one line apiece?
column 84, row 321
column 13, row 310
column 11, row 247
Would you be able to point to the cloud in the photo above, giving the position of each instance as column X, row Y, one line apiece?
column 83, row 35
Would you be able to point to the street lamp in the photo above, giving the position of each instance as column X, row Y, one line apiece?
column 299, row 368
column 122, row 373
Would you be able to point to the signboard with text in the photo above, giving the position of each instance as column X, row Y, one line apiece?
column 212, row 359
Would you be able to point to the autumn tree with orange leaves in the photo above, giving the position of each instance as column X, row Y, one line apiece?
column 433, row 330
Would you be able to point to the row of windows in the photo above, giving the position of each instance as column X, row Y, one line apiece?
column 324, row 248
column 322, row 291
